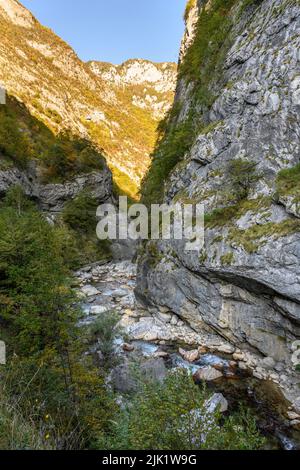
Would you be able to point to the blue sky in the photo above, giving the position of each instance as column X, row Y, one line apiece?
column 115, row 30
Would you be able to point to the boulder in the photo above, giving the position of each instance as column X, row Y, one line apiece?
column 89, row 291
column 123, row 380
column 128, row 347
column 216, row 403
column 154, row 369
column 190, row 356
column 207, row 374
column 98, row 309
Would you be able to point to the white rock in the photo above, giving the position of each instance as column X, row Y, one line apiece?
column 98, row 309
column 90, row 291
column 208, row 374
column 216, row 403
column 164, row 317
column 268, row 363
column 189, row 356
column 292, row 415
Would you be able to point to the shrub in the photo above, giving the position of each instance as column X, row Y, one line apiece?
column 170, row 150
column 69, row 156
column 80, row 213
column 162, row 417
column 81, row 242
column 14, row 140
column 242, row 176
column 104, row 331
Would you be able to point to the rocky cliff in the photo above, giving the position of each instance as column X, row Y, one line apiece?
column 118, row 108
column 237, row 110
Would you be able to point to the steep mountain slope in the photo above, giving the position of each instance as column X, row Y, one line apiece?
column 232, row 143
column 119, row 111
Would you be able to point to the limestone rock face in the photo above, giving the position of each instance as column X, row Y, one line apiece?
column 245, row 284
column 158, row 81
column 17, row 13
column 52, row 198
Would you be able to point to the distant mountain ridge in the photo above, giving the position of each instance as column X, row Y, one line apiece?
column 117, row 107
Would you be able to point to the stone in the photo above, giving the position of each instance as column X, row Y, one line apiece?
column 123, row 380
column 202, row 350
column 190, row 356
column 119, row 293
column 89, row 291
column 163, row 309
column 216, row 403
column 292, row 415
column 162, row 354
column 128, row 347
column 154, row 369
column 164, row 317
column 207, row 374
column 98, row 309
column 151, row 336
column 238, row 356
column 129, row 312
column 268, row 363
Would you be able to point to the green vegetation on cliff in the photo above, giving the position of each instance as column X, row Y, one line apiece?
column 202, row 67
column 288, row 182
column 24, row 138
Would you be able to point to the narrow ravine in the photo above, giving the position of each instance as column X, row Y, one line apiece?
column 158, row 340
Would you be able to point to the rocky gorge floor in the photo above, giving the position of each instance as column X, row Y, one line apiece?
column 157, row 340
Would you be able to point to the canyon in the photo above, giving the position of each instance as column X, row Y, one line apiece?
column 229, row 140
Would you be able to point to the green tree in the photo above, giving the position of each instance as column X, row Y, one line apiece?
column 242, row 177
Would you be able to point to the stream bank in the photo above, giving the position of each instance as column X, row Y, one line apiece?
column 156, row 340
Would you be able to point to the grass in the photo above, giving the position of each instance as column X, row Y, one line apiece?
column 258, row 235
column 226, row 215
column 227, row 259
column 17, row 433
column 288, row 182
column 190, row 4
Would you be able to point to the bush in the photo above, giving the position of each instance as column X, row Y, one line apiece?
column 162, row 417
column 81, row 242
column 14, row 141
column 80, row 213
column 174, row 144
column 70, row 156
column 242, row 176
column 104, row 331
